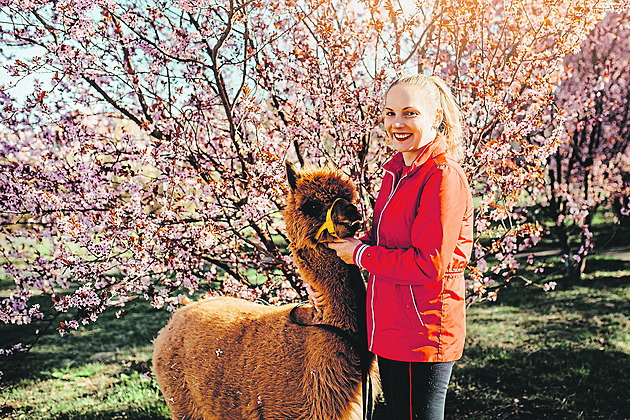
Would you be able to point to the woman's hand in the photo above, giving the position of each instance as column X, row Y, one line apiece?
column 315, row 297
column 345, row 248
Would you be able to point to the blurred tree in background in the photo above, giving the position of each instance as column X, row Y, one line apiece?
column 591, row 167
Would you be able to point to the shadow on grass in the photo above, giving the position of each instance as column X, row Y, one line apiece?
column 559, row 354
column 552, row 383
column 603, row 281
column 605, row 264
column 108, row 340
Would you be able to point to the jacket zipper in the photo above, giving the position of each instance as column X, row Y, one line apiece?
column 391, row 194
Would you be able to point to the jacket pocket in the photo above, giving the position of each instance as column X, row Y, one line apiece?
column 408, row 299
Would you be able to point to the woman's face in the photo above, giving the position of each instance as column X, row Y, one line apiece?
column 409, row 119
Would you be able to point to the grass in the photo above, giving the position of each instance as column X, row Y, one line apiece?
column 530, row 355
column 98, row 372
column 560, row 355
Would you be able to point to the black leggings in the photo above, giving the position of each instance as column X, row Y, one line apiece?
column 414, row 390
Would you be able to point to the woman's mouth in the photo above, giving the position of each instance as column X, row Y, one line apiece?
column 401, row 136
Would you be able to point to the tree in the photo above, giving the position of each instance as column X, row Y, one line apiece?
column 590, row 167
column 150, row 164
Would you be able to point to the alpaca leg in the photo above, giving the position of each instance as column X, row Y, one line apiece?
column 174, row 388
column 170, row 376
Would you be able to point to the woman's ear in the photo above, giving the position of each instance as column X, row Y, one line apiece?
column 439, row 117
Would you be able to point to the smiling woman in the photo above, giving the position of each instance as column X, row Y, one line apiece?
column 410, row 120
column 417, row 108
column 417, row 249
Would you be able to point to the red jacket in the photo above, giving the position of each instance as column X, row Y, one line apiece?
column 415, row 253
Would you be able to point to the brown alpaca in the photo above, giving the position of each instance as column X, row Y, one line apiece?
column 225, row 358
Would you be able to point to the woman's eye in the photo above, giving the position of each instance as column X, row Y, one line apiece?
column 411, row 114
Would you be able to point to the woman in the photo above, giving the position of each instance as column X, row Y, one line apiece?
column 417, row 249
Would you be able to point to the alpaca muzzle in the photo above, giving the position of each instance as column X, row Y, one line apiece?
column 329, row 224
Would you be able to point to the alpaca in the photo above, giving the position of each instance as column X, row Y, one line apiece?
column 226, row 358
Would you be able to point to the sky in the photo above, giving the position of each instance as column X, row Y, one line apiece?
column 23, row 87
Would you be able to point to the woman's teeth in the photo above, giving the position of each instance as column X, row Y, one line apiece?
column 402, row 136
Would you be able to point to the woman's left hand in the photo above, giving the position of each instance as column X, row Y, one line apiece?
column 345, row 248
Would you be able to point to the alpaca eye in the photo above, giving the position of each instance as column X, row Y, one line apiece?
column 311, row 208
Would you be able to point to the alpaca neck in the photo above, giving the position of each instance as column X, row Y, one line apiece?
column 341, row 285
column 345, row 308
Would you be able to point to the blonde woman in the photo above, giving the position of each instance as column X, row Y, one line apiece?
column 416, row 250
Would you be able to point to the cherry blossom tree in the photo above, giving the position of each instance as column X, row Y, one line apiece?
column 590, row 167
column 506, row 60
column 146, row 160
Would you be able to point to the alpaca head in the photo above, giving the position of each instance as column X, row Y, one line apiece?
column 315, row 194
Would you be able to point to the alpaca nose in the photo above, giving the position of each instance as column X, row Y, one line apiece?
column 351, row 214
column 348, row 220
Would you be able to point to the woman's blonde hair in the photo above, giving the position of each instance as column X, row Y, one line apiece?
column 440, row 94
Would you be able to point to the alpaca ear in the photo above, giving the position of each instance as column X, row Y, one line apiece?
column 292, row 176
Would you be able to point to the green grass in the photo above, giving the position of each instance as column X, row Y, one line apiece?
column 531, row 355
column 97, row 372
column 561, row 355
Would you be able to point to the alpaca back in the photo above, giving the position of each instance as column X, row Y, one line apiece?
column 226, row 358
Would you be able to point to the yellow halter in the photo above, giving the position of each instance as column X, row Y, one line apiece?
column 328, row 225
